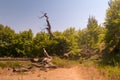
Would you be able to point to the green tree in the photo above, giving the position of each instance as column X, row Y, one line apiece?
column 22, row 44
column 56, row 46
column 112, row 24
column 112, row 37
column 89, row 36
column 71, row 35
column 83, row 37
column 92, row 32
column 6, row 37
column 26, row 41
column 40, row 41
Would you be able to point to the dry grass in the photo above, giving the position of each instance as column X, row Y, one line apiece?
column 4, row 64
column 64, row 63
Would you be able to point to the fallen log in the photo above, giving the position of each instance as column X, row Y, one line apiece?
column 20, row 70
column 36, row 60
column 42, row 63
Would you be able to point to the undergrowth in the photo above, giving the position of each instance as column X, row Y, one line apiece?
column 4, row 64
column 64, row 63
column 110, row 72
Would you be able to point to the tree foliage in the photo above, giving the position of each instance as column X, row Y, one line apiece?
column 91, row 36
column 6, row 39
column 24, row 44
column 113, row 26
column 112, row 37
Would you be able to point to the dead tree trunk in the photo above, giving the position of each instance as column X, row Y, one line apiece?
column 49, row 26
column 44, row 64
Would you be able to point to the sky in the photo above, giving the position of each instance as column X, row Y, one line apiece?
column 22, row 15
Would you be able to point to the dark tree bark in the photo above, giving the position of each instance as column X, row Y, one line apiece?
column 49, row 26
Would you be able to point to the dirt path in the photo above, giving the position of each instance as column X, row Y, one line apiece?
column 75, row 73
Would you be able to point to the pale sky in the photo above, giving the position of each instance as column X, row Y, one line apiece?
column 22, row 15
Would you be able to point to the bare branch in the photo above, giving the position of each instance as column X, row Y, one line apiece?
column 45, row 53
column 48, row 24
column 67, row 54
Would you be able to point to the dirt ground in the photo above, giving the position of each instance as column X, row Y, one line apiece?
column 74, row 73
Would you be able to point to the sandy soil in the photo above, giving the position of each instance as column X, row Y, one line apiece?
column 75, row 73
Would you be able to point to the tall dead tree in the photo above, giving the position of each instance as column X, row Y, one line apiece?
column 48, row 28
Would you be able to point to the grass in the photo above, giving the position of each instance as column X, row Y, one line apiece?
column 112, row 73
column 4, row 64
column 64, row 63
column 108, row 71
